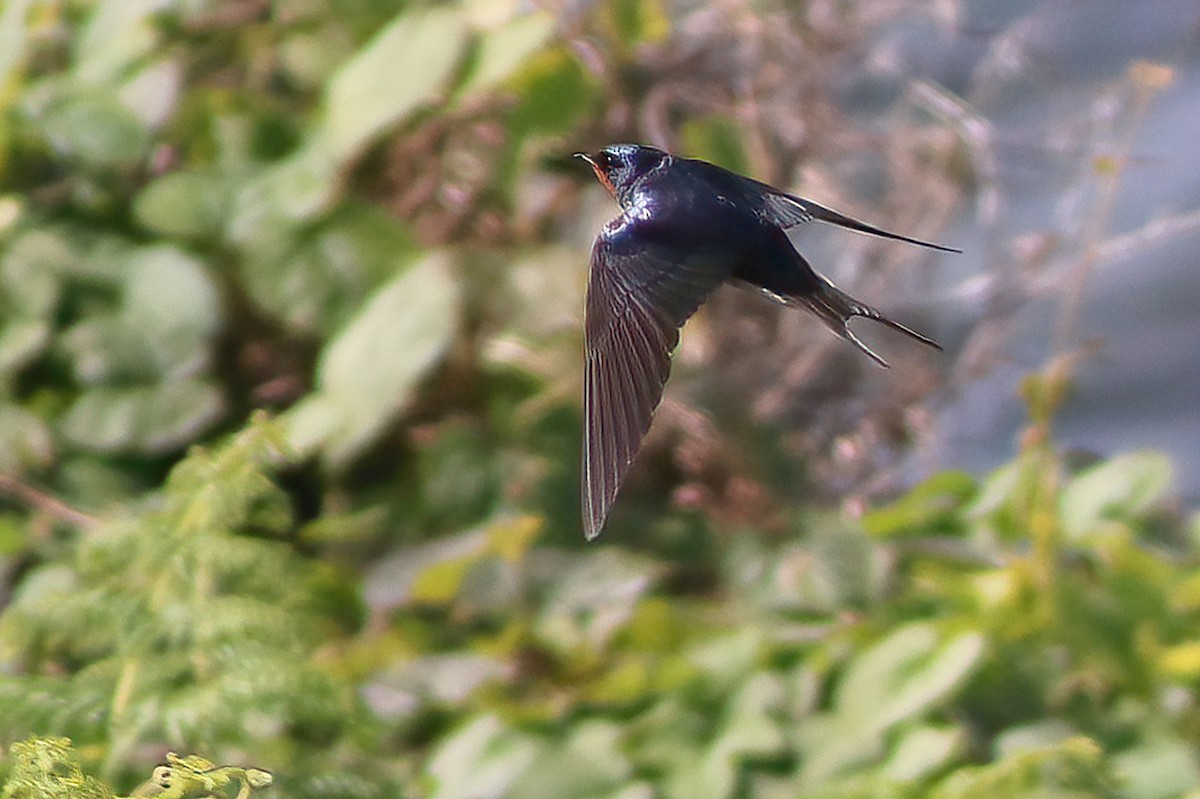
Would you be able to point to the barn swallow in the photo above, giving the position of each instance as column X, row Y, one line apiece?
column 686, row 226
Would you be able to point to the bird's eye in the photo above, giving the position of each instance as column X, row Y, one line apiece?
column 604, row 159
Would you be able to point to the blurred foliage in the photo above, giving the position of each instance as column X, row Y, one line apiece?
column 46, row 767
column 356, row 216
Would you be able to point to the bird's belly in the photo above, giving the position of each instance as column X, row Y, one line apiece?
column 777, row 272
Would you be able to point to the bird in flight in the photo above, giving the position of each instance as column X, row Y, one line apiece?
column 686, row 226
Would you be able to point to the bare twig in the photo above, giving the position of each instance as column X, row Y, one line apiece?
column 1148, row 80
column 41, row 501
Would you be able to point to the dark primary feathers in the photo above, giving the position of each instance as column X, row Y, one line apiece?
column 637, row 300
column 686, row 227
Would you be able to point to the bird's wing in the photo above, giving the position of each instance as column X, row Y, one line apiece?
column 788, row 210
column 639, row 295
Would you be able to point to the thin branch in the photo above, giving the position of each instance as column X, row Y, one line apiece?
column 41, row 501
column 1148, row 81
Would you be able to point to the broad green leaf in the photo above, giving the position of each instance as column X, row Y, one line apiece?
column 504, row 49
column 25, row 441
column 448, row 680
column 369, row 372
column 904, row 675
column 588, row 763
column 1181, row 661
column 924, row 750
column 21, row 341
column 635, row 790
column 1074, row 768
column 996, row 491
column 406, row 65
column 834, row 745
column 310, row 55
column 95, row 129
column 933, row 681
column 169, row 310
column 291, row 191
column 13, row 35
column 845, row 566
column 171, row 294
column 1120, row 488
column 930, row 508
column 545, row 297
column 871, row 678
column 750, row 727
column 727, row 658
column 1160, row 768
column 1031, row 737
column 481, row 759
column 430, row 570
column 594, row 599
column 317, row 280
column 183, row 204
column 31, row 272
column 149, row 419
column 151, row 93
column 116, row 36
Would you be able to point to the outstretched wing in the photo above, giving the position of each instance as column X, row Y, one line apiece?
column 639, row 294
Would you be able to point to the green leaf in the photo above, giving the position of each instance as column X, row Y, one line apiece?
column 13, row 35
column 930, row 508
column 115, row 37
column 933, row 681
column 503, row 50
column 318, row 279
column 996, row 491
column 593, row 599
column 20, row 342
column 447, row 680
column 923, row 751
column 25, row 440
column 1074, row 768
column 1120, row 489
column 96, row 129
column 588, row 763
column 291, row 191
column 190, row 205
column 370, row 371
column 750, row 728
column 1033, row 736
column 169, row 311
column 1160, row 768
column 148, row 419
column 727, row 658
column 904, row 675
column 833, row 745
column 152, row 93
column 430, row 571
column 483, row 758
column 31, row 271
column 405, row 66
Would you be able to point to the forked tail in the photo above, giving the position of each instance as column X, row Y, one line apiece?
column 835, row 308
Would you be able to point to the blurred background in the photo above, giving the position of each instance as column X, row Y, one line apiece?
column 290, row 375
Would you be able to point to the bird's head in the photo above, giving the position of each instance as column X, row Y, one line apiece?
column 618, row 166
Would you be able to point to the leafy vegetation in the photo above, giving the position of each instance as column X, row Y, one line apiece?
column 289, row 425
column 45, row 767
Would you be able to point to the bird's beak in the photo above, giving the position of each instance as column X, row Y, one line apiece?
column 600, row 173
